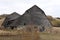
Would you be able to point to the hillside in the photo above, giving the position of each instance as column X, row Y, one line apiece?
column 54, row 21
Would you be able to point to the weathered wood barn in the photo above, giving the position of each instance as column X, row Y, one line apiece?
column 32, row 16
column 10, row 19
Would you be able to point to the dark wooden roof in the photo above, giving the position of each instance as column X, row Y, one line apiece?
column 13, row 16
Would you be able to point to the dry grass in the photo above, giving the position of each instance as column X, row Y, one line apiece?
column 28, row 36
column 53, row 35
column 21, row 35
column 56, row 30
column 49, row 36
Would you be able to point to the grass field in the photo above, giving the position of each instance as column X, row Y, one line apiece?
column 43, row 36
column 16, row 35
column 53, row 35
column 49, row 36
column 19, row 35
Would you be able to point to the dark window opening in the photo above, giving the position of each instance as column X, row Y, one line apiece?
column 42, row 29
column 9, row 22
column 12, row 27
column 24, row 23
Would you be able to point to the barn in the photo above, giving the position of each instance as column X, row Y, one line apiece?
column 33, row 16
column 10, row 19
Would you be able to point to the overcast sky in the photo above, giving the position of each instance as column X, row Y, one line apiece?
column 50, row 7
